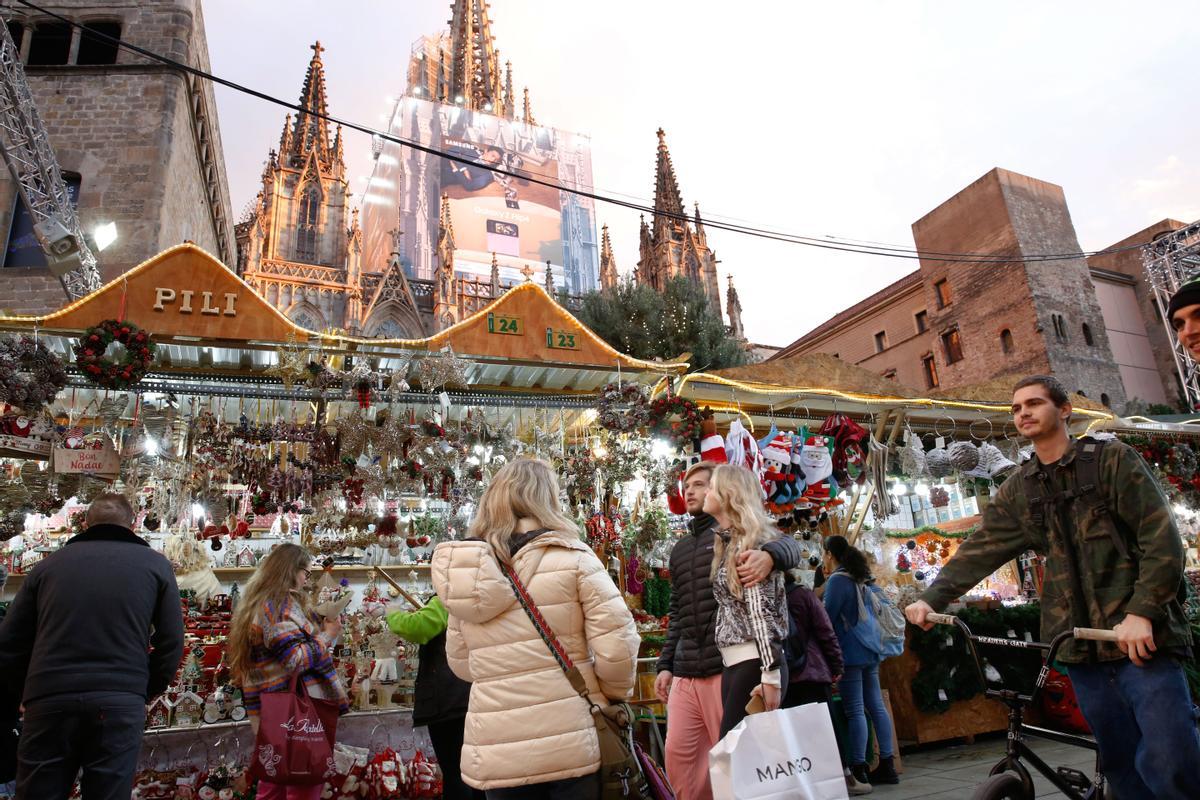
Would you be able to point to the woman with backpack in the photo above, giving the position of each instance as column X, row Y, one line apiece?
column 858, row 634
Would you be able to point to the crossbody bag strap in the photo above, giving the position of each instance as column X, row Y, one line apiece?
column 574, row 676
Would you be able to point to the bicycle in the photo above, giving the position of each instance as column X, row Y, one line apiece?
column 1009, row 779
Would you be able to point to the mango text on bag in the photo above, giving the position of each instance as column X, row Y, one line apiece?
column 784, row 769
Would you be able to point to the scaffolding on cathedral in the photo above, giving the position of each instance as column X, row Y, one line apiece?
column 1171, row 261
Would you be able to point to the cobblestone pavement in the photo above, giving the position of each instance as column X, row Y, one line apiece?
column 952, row 772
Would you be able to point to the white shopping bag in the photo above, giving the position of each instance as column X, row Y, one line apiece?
column 789, row 754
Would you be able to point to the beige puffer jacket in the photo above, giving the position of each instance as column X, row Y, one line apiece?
column 525, row 724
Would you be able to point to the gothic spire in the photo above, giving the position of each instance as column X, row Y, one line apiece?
column 527, row 116
column 495, row 277
column 733, row 309
column 549, row 279
column 339, row 154
column 509, row 104
column 285, row 139
column 445, row 228
column 608, row 264
column 475, row 74
column 666, row 188
column 310, row 131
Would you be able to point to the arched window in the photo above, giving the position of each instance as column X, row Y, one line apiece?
column 306, row 223
column 1104, row 400
column 390, row 329
column 1060, row 327
column 1087, row 336
column 1006, row 340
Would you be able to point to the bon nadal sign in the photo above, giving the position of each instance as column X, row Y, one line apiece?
column 97, row 458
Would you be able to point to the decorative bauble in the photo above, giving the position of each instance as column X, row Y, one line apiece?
column 919, row 575
column 151, row 522
column 911, row 544
column 813, row 561
column 939, row 497
column 964, row 456
column 215, row 543
column 91, row 354
column 30, row 375
column 938, row 462
column 807, row 535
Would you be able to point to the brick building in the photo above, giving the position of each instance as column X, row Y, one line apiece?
column 137, row 140
column 952, row 324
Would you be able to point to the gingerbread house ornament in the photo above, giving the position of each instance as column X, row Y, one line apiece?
column 189, row 710
column 246, row 557
column 158, row 713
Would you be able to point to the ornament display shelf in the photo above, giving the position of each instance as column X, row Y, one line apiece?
column 339, row 569
column 374, row 728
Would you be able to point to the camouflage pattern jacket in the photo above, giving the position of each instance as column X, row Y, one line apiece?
column 1144, row 580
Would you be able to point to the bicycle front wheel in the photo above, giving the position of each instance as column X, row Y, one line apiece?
column 1005, row 786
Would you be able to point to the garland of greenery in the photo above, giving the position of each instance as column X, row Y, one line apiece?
column 30, row 375
column 687, row 429
column 936, row 531
column 623, row 408
column 947, row 672
column 103, row 371
column 656, row 598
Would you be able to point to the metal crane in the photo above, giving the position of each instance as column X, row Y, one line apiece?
column 30, row 158
column 1172, row 260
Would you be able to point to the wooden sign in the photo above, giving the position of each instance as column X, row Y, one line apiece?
column 499, row 323
column 103, row 462
column 562, row 340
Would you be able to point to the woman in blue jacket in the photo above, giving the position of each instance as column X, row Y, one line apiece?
column 859, row 686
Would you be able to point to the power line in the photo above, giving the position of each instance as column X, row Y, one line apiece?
column 848, row 246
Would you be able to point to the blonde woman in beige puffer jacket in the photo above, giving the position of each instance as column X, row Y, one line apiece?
column 528, row 734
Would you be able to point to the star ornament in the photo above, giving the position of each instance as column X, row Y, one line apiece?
column 291, row 363
column 440, row 369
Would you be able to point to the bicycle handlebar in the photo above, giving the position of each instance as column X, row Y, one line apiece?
column 1087, row 634
column 1096, row 634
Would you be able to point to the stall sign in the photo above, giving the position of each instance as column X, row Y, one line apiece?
column 215, row 303
column 562, row 340
column 500, row 323
column 102, row 461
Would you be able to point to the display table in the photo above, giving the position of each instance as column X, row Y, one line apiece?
column 963, row 720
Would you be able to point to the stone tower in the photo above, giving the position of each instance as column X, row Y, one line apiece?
column 300, row 246
column 733, row 310
column 671, row 245
column 139, row 143
column 1018, row 316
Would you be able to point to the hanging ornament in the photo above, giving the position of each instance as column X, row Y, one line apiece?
column 440, row 369
column 291, row 363
column 354, row 433
column 964, row 456
column 398, row 378
column 362, row 380
column 30, row 375
column 114, row 354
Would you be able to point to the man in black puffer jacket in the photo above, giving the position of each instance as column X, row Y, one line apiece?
column 689, row 669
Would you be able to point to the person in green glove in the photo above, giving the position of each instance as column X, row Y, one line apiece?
column 440, row 696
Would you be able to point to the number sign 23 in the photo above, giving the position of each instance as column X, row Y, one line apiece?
column 561, row 340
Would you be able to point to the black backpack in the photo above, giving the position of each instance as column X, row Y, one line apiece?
column 795, row 646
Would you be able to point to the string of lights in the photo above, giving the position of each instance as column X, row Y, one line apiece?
column 824, row 243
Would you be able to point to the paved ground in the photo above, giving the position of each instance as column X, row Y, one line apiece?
column 951, row 772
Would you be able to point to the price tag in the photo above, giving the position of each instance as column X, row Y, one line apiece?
column 561, row 340
column 510, row 326
column 939, row 442
column 907, row 436
column 1028, row 636
column 949, row 640
column 1012, row 634
column 942, row 696
column 444, row 401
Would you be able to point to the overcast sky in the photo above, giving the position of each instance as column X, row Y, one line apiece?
column 824, row 119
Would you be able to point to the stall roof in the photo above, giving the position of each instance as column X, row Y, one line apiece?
column 209, row 322
column 1000, row 390
column 817, row 369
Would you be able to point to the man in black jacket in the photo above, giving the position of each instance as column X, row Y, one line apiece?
column 94, row 633
column 689, row 669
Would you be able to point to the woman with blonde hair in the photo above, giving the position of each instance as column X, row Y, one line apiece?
column 751, row 620
column 528, row 734
column 273, row 636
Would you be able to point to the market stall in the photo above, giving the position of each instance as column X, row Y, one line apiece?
column 232, row 430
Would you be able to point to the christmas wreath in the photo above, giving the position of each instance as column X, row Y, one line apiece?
column 91, row 354
column 687, row 429
column 623, row 408
column 30, row 375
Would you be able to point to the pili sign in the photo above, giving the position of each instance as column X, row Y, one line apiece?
column 226, row 305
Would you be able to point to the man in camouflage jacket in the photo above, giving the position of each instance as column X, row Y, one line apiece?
column 1114, row 559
